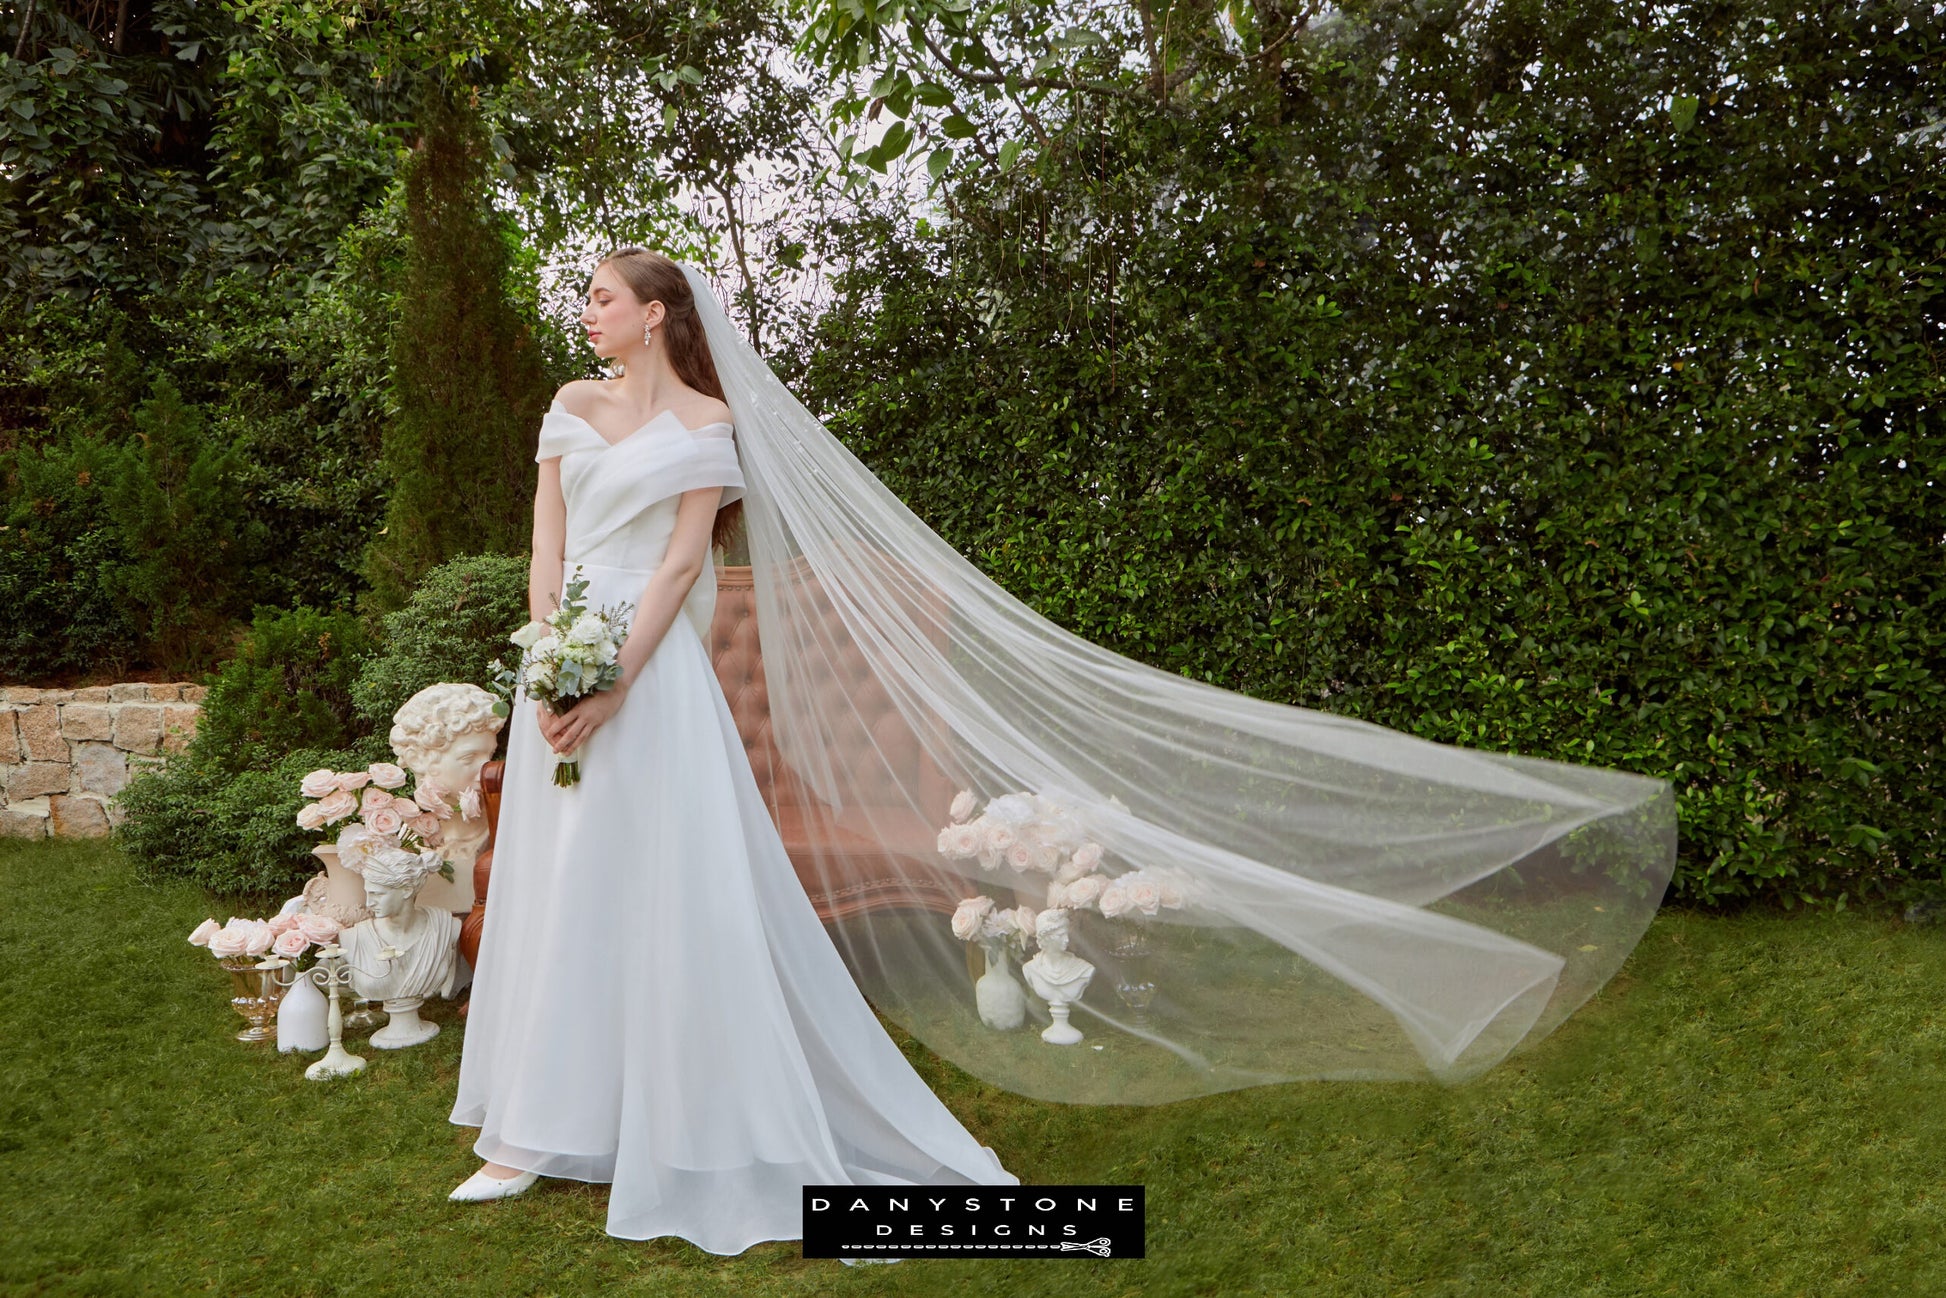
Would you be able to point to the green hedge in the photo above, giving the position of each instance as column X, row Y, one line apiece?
column 307, row 689
column 1565, row 383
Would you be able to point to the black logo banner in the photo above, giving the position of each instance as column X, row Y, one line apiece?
column 973, row 1221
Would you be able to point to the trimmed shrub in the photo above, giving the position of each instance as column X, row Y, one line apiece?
column 288, row 687
column 456, row 622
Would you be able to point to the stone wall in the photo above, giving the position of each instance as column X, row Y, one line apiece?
column 65, row 753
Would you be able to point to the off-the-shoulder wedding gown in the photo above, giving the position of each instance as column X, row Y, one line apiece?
column 656, row 1003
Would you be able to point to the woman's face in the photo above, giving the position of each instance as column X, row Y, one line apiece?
column 613, row 318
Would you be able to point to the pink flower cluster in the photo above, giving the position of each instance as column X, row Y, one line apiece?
column 382, row 811
column 978, row 919
column 1028, row 831
column 287, row 935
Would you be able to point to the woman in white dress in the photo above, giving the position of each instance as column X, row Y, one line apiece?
column 1298, row 894
column 657, row 1005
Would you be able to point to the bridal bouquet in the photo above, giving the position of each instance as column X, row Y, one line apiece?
column 572, row 653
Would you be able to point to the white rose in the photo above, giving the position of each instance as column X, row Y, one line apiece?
column 527, row 635
column 1084, row 891
column 968, row 918
column 587, row 629
column 386, row 775
column 1014, row 809
column 962, row 805
column 546, row 646
column 1113, row 901
column 318, row 783
column 1088, row 855
column 1145, row 896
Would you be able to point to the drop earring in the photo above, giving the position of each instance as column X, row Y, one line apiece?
column 648, row 332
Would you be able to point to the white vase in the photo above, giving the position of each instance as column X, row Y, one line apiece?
column 300, row 1019
column 1001, row 998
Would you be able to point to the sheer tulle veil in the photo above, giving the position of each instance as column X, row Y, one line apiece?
column 1298, row 894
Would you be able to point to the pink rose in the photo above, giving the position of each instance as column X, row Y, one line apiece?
column 1114, row 902
column 204, row 931
column 291, row 942
column 428, row 796
column 258, row 938
column 319, row 782
column 471, row 805
column 1084, row 891
column 967, row 919
column 282, row 924
column 1145, row 896
column 997, row 837
column 226, row 941
column 1057, row 896
column 372, row 799
column 335, row 807
column 311, row 816
column 386, row 775
column 318, row 928
column 1088, row 855
column 425, row 825
column 963, row 840
column 1021, row 856
column 962, row 806
column 383, row 821
column 353, row 780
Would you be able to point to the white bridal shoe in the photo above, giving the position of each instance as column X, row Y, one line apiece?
column 481, row 1186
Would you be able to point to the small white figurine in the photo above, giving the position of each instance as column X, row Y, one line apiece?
column 405, row 952
column 444, row 734
column 1057, row 975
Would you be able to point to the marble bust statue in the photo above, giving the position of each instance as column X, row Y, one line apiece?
column 444, row 734
column 405, row 952
column 1057, row 975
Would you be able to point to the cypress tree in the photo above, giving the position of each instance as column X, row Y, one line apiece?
column 469, row 375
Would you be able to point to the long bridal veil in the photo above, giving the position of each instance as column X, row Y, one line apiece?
column 1266, row 892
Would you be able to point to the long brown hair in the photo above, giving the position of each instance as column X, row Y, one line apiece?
column 652, row 277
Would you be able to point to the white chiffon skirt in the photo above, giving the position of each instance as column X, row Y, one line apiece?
column 656, row 1003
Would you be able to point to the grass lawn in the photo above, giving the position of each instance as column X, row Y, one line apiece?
column 1753, row 1107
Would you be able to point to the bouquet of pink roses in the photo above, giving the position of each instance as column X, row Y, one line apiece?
column 290, row 936
column 388, row 817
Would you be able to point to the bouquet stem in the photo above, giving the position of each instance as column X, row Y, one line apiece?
column 567, row 768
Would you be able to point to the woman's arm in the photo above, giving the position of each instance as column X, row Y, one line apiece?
column 550, row 542
column 662, row 598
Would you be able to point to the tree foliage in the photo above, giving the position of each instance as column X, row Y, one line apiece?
column 1562, row 380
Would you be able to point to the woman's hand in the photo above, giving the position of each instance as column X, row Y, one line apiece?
column 572, row 728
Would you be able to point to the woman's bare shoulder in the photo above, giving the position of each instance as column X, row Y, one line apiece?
column 705, row 410
column 579, row 396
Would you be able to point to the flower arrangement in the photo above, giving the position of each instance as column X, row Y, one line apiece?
column 571, row 653
column 289, row 936
column 980, row 919
column 384, row 816
column 1029, row 831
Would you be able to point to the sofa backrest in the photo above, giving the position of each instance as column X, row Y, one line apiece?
column 870, row 734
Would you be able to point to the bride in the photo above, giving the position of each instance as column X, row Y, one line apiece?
column 657, row 1004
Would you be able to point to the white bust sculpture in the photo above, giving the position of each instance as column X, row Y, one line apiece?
column 1057, row 975
column 444, row 734
column 405, row 952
